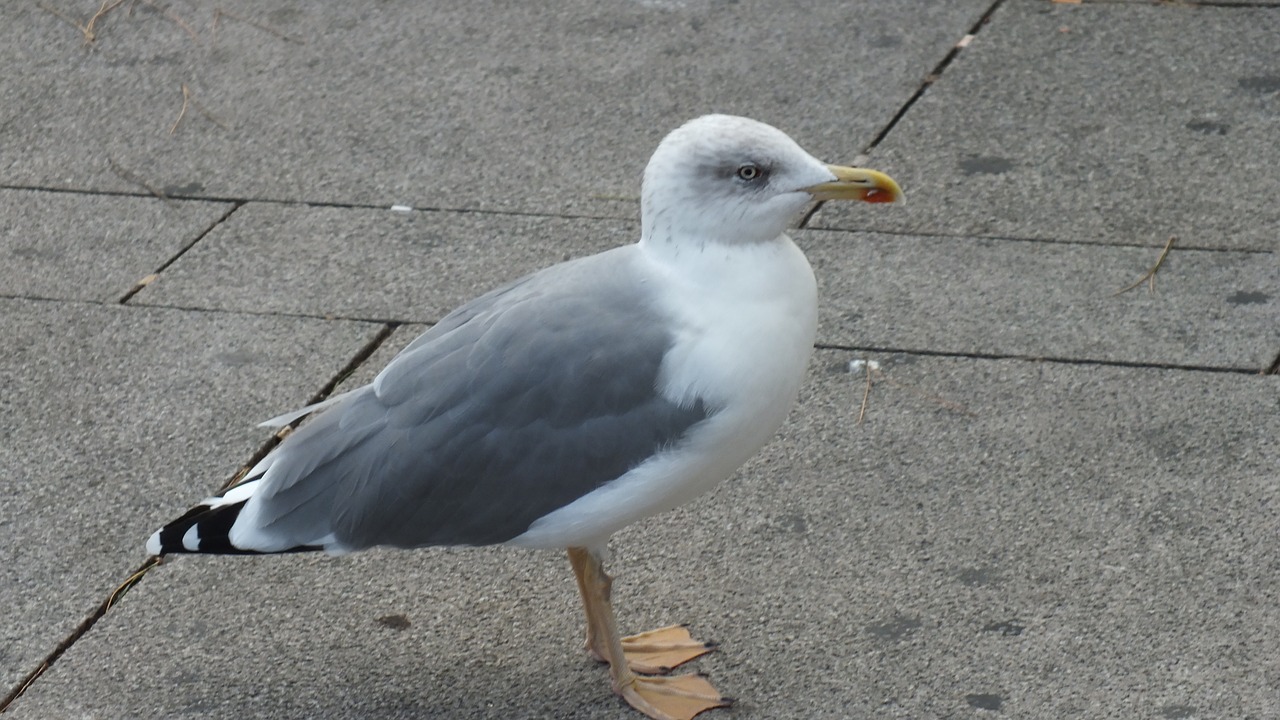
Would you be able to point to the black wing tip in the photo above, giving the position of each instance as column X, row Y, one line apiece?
column 212, row 520
column 213, row 533
column 212, row 524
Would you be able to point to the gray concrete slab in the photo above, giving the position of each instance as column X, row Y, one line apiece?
column 997, row 536
column 1193, row 4
column 1071, row 122
column 1215, row 309
column 961, row 549
column 91, row 247
column 477, row 105
column 115, row 417
column 370, row 263
column 1046, row 300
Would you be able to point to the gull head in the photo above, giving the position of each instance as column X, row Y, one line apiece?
column 735, row 181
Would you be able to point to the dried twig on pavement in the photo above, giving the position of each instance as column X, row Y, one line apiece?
column 57, row 13
column 129, row 582
column 866, row 395
column 87, row 29
column 873, row 371
column 106, row 7
column 128, row 176
column 188, row 99
column 1150, row 276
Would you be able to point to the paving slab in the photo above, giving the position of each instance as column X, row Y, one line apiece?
column 116, row 417
column 954, row 295
column 1056, row 122
column 1046, row 300
column 1197, row 3
column 959, row 550
column 91, row 247
column 367, row 263
column 476, row 105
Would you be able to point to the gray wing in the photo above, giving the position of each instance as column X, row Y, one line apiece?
column 514, row 405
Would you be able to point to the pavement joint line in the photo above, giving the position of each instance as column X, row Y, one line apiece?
column 138, row 286
column 81, row 191
column 317, row 203
column 130, row 176
column 363, row 354
column 929, row 79
column 802, row 225
column 934, row 75
column 224, row 311
column 267, row 313
column 136, row 576
column 1189, row 3
column 366, row 352
column 1045, row 241
column 1091, row 362
column 80, row 630
column 1272, row 369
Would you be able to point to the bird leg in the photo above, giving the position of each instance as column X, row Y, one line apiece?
column 663, row 698
column 654, row 652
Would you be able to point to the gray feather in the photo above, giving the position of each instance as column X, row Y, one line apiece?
column 513, row 406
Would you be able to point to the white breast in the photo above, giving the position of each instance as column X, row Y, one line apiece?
column 745, row 320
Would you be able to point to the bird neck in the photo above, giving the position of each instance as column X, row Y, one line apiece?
column 730, row 270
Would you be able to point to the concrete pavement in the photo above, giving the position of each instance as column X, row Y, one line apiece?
column 1059, row 502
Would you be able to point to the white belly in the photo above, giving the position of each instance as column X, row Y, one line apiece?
column 745, row 322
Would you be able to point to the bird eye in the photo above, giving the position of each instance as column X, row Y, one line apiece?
column 750, row 172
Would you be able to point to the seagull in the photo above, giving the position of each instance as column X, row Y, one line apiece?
column 564, row 406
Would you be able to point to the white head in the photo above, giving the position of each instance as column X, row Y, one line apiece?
column 733, row 180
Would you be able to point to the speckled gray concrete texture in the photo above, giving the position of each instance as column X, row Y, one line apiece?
column 115, row 415
column 370, row 263
column 498, row 105
column 98, row 247
column 1059, row 501
column 1226, row 3
column 1071, row 122
column 970, row 296
column 960, row 548
column 955, row 295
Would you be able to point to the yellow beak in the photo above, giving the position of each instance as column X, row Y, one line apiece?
column 857, row 184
